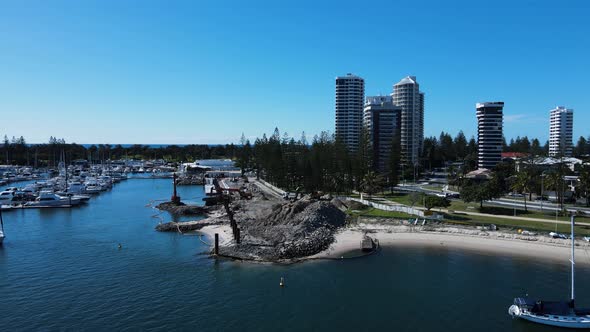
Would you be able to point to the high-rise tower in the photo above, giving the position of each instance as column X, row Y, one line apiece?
column 561, row 131
column 382, row 120
column 489, row 133
column 350, row 94
column 406, row 94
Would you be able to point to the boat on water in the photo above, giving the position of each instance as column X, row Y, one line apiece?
column 78, row 197
column 553, row 313
column 1, row 228
column 49, row 199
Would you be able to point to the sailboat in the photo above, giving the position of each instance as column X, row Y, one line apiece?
column 554, row 313
column 1, row 228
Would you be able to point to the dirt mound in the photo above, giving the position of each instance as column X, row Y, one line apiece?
column 289, row 231
column 182, row 209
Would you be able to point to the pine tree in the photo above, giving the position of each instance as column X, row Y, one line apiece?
column 394, row 162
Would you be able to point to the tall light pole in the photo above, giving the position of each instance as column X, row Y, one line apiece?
column 542, row 189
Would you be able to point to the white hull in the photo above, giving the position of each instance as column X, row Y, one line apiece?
column 57, row 203
column 575, row 322
column 553, row 313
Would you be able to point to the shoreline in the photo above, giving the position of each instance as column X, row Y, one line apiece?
column 473, row 240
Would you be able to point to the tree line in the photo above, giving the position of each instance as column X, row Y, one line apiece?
column 17, row 151
column 530, row 179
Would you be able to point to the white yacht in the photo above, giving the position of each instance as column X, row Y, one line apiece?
column 10, row 198
column 554, row 313
column 1, row 228
column 92, row 187
column 49, row 199
column 76, row 187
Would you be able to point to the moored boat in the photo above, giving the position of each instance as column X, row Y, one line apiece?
column 1, row 228
column 553, row 313
column 49, row 199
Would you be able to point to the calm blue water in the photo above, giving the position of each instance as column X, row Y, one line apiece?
column 61, row 270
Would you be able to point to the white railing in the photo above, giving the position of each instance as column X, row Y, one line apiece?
column 385, row 207
column 272, row 187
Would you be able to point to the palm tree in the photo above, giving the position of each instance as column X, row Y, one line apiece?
column 585, row 183
column 554, row 181
column 522, row 184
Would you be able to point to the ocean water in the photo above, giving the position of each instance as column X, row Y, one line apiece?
column 61, row 270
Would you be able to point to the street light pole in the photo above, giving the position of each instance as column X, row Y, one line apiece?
column 542, row 197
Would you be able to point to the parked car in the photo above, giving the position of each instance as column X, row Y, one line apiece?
column 558, row 236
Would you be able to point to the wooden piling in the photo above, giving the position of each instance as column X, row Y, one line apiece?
column 216, row 249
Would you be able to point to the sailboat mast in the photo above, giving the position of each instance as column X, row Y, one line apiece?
column 572, row 260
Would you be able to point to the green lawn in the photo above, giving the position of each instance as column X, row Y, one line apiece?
column 458, row 205
column 465, row 219
column 433, row 186
column 372, row 212
column 402, row 198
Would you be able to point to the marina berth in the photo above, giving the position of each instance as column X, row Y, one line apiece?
column 49, row 199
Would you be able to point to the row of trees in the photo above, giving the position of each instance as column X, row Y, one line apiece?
column 530, row 180
column 16, row 151
column 534, row 147
column 325, row 164
column 444, row 148
column 437, row 151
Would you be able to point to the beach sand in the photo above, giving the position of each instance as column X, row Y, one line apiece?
column 224, row 231
column 469, row 239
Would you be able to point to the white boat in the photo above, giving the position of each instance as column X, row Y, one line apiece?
column 92, row 187
column 554, row 313
column 1, row 228
column 6, row 197
column 76, row 187
column 79, row 197
column 49, row 199
column 10, row 198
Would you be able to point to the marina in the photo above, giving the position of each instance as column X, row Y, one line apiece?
column 74, row 184
column 54, row 262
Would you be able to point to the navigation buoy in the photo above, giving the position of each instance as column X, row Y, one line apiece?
column 282, row 283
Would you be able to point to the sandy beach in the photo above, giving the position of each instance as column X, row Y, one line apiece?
column 224, row 231
column 471, row 239
column 539, row 246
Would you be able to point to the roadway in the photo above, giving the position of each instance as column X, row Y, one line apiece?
column 502, row 202
column 548, row 221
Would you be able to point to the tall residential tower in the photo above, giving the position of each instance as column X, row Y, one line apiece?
column 406, row 94
column 350, row 95
column 382, row 120
column 489, row 133
column 561, row 132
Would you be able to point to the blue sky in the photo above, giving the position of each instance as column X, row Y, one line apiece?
column 206, row 71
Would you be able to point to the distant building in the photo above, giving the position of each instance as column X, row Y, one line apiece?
column 382, row 120
column 479, row 174
column 350, row 95
column 561, row 131
column 548, row 163
column 406, row 94
column 489, row 133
